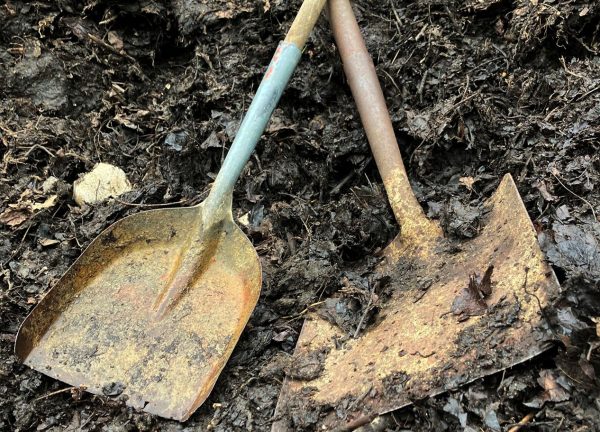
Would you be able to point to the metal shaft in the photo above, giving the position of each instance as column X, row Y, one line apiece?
column 280, row 70
column 363, row 81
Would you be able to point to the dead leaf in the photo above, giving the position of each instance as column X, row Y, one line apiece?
column 50, row 202
column 485, row 284
column 226, row 14
column 45, row 242
column 13, row 217
column 277, row 124
column 121, row 119
column 549, row 381
column 471, row 300
column 18, row 213
column 115, row 40
column 542, row 188
column 468, row 182
column 281, row 336
column 588, row 369
column 555, row 389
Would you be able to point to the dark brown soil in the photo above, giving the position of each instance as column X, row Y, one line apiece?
column 476, row 89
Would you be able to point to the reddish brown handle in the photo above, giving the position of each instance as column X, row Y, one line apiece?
column 375, row 118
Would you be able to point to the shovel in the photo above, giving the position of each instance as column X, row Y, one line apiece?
column 155, row 305
column 452, row 311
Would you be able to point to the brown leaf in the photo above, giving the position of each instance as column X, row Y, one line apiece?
column 485, row 285
column 50, row 202
column 123, row 120
column 550, row 381
column 13, row 217
column 588, row 369
column 554, row 391
column 467, row 303
column 468, row 182
column 115, row 40
column 45, row 242
column 471, row 300
column 542, row 188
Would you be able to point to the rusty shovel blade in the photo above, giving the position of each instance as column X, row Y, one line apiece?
column 452, row 311
column 113, row 326
column 431, row 335
column 155, row 305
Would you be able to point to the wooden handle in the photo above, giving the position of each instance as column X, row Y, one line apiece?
column 304, row 22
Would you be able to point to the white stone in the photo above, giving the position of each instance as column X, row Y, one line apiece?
column 104, row 181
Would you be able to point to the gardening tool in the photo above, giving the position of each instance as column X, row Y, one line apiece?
column 451, row 311
column 155, row 305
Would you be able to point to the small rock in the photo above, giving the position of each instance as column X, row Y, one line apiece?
column 102, row 182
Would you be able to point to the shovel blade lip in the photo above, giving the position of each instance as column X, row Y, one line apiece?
column 421, row 344
column 97, row 326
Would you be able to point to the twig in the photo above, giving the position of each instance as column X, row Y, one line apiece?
column 302, row 313
column 525, row 420
column 579, row 98
column 359, row 399
column 151, row 205
column 89, row 419
column 367, row 308
column 562, row 60
column 580, row 197
column 391, row 79
column 110, row 48
column 539, row 303
column 362, row 318
column 41, row 147
column 422, row 355
column 59, row 391
column 355, row 424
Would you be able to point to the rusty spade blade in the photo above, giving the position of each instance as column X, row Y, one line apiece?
column 456, row 312
column 155, row 305
column 111, row 325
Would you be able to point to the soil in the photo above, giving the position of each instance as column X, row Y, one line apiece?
column 476, row 89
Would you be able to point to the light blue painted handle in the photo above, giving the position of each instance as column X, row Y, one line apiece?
column 273, row 83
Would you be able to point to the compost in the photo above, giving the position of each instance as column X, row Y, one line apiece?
column 476, row 89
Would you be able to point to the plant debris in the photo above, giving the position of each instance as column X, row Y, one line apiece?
column 471, row 300
column 476, row 89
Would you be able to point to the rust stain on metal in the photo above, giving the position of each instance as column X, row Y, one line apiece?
column 429, row 347
column 417, row 346
column 127, row 313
